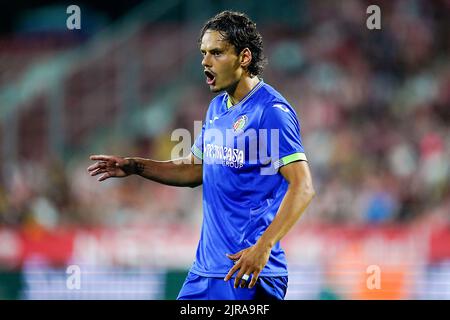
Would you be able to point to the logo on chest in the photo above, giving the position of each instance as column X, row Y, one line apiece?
column 239, row 124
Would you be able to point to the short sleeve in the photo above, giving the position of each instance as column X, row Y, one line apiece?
column 281, row 120
column 197, row 147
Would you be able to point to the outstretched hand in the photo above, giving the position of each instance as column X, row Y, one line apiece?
column 251, row 262
column 110, row 166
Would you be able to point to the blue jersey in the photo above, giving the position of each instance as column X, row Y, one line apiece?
column 242, row 147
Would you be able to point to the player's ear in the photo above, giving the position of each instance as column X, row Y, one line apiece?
column 245, row 57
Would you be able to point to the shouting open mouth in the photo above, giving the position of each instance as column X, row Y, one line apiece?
column 210, row 77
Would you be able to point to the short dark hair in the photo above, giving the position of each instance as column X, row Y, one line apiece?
column 240, row 31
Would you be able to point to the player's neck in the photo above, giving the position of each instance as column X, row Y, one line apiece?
column 242, row 88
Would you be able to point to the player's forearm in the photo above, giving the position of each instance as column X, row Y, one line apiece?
column 295, row 202
column 170, row 172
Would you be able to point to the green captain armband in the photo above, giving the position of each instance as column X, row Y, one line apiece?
column 299, row 156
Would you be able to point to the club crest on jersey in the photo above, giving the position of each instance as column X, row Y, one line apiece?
column 239, row 124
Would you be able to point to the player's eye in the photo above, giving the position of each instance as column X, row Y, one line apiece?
column 215, row 53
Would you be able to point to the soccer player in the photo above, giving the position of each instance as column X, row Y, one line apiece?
column 251, row 199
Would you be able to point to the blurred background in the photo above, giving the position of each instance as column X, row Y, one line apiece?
column 374, row 107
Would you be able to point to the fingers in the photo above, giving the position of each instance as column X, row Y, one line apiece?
column 98, row 171
column 244, row 282
column 242, row 273
column 238, row 279
column 232, row 271
column 96, row 166
column 243, row 276
column 100, row 157
column 104, row 176
column 254, row 279
column 103, row 166
column 235, row 256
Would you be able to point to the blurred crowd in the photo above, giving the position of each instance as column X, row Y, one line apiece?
column 374, row 108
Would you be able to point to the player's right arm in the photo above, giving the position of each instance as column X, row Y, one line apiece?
column 180, row 172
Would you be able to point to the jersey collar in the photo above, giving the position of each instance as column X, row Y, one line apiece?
column 255, row 88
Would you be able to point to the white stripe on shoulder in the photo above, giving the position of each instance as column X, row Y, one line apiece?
column 281, row 107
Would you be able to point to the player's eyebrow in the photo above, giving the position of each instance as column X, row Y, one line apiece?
column 216, row 49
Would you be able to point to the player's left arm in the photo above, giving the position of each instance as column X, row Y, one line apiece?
column 299, row 194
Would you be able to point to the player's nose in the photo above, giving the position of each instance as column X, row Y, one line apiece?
column 206, row 62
